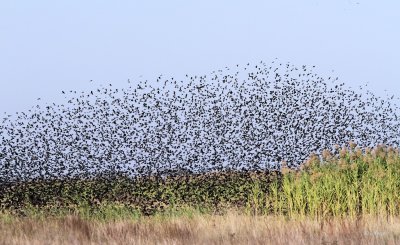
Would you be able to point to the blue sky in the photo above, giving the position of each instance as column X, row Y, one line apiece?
column 49, row 46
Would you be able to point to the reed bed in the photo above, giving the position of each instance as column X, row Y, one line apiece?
column 348, row 182
column 352, row 183
column 345, row 196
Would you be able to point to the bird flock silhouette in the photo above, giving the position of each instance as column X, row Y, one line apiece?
column 249, row 117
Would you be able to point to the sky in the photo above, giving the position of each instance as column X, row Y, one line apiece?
column 50, row 46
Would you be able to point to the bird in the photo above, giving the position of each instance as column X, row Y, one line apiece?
column 247, row 118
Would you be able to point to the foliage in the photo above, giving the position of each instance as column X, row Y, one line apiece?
column 353, row 183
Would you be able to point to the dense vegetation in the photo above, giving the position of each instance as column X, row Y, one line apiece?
column 347, row 182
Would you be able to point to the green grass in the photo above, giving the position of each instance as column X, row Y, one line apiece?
column 355, row 183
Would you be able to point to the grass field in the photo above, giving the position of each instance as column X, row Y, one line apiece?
column 352, row 197
column 200, row 229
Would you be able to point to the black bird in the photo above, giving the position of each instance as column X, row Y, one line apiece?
column 230, row 119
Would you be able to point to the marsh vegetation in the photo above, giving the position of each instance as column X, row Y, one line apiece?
column 350, row 197
column 157, row 163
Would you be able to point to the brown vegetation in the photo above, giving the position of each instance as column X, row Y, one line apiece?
column 200, row 229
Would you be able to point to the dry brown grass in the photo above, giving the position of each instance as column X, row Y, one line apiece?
column 200, row 229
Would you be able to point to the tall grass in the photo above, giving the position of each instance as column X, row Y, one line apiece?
column 350, row 182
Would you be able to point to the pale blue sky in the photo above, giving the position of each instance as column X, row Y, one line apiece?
column 49, row 46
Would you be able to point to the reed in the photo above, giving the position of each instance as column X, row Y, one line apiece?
column 353, row 183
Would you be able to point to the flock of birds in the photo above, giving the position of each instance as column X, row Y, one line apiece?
column 250, row 117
